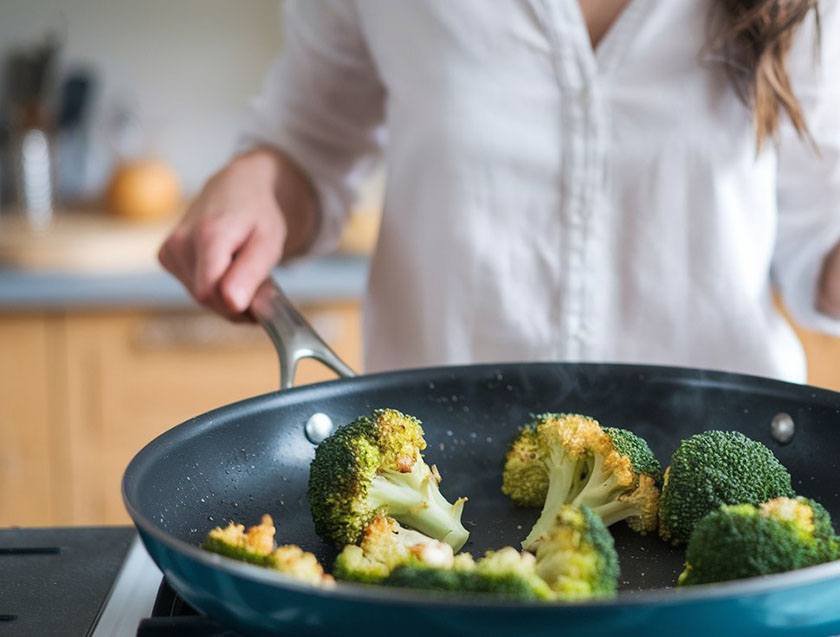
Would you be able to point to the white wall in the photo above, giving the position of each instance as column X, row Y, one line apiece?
column 188, row 67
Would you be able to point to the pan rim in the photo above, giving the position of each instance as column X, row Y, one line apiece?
column 354, row 592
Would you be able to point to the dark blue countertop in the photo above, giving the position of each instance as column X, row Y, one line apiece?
column 327, row 278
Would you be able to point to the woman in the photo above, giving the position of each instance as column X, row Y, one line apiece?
column 590, row 180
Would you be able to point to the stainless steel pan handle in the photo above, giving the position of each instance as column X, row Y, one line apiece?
column 293, row 337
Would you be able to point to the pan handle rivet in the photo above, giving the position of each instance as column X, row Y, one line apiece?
column 318, row 427
column 782, row 428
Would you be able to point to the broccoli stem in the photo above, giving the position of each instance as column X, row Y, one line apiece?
column 599, row 494
column 563, row 473
column 414, row 499
column 599, row 488
column 617, row 510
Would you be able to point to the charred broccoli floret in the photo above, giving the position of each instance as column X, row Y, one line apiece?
column 299, row 564
column 525, row 477
column 386, row 545
column 714, row 468
column 570, row 459
column 744, row 540
column 256, row 545
column 623, row 481
column 577, row 557
column 374, row 466
column 506, row 573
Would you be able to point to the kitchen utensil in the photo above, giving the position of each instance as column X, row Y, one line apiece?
column 72, row 135
column 29, row 83
column 252, row 457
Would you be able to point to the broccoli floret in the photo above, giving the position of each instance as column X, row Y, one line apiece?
column 570, row 459
column 299, row 564
column 832, row 549
column 506, row 573
column 256, row 546
column 714, row 468
column 575, row 560
column 353, row 565
column 371, row 466
column 623, row 482
column 525, row 478
column 441, row 580
column 577, row 557
column 744, row 540
column 509, row 573
column 386, row 545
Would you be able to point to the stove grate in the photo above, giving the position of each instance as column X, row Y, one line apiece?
column 171, row 615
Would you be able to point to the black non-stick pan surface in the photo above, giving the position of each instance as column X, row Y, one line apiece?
column 253, row 457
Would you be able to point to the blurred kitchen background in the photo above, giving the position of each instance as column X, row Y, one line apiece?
column 112, row 115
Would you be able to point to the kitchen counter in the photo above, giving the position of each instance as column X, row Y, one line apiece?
column 341, row 277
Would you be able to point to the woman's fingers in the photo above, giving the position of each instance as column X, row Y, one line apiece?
column 222, row 260
column 214, row 251
column 173, row 255
column 215, row 242
column 250, row 267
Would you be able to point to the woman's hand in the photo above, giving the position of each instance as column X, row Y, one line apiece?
column 828, row 298
column 257, row 209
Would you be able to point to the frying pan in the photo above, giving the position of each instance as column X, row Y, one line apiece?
column 252, row 457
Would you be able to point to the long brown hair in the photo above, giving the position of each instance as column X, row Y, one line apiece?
column 753, row 38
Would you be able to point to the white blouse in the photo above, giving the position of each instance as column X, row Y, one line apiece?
column 548, row 202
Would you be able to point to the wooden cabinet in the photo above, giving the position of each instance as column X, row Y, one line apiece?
column 81, row 393
column 27, row 467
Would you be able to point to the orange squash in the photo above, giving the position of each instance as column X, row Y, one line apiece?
column 143, row 190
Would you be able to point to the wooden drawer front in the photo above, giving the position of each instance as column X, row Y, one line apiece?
column 124, row 387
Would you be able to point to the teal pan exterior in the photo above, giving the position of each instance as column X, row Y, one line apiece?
column 807, row 604
column 253, row 457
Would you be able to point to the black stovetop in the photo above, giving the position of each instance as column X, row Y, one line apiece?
column 56, row 581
